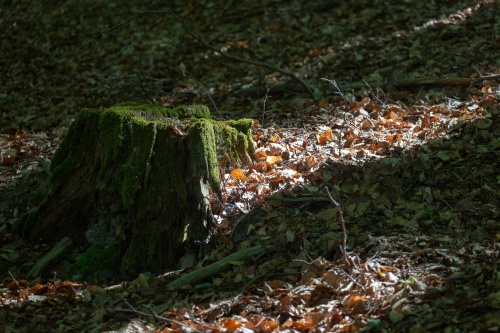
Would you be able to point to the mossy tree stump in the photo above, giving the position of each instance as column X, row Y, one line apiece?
column 131, row 184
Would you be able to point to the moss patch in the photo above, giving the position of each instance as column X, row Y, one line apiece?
column 141, row 171
column 167, row 165
column 202, row 143
column 234, row 142
column 143, row 138
column 137, row 124
column 96, row 263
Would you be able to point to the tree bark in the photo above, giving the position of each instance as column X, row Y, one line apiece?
column 137, row 178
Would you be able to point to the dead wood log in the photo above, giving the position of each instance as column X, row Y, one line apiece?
column 457, row 81
column 51, row 258
column 134, row 181
column 217, row 267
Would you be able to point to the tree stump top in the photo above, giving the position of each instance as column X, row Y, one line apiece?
column 136, row 179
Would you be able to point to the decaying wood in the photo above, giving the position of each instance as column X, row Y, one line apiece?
column 457, row 81
column 52, row 258
column 245, row 255
column 133, row 182
column 290, row 86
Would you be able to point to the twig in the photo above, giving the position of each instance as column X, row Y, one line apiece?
column 264, row 104
column 239, row 86
column 440, row 198
column 185, row 72
column 310, row 262
column 352, row 279
column 342, row 224
column 339, row 92
column 285, row 72
column 376, row 97
column 13, row 278
column 153, row 315
column 144, row 89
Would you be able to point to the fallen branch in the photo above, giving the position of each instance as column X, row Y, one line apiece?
column 202, row 274
column 288, row 86
column 52, row 258
column 458, row 81
column 298, row 199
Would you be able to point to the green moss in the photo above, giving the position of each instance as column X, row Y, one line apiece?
column 158, row 200
column 144, row 110
column 234, row 142
column 208, row 138
column 110, row 139
column 152, row 186
column 203, row 149
column 112, row 125
column 155, row 112
column 242, row 125
column 143, row 138
column 192, row 111
column 96, row 263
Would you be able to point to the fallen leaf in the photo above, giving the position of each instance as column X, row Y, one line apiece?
column 326, row 137
column 238, row 174
column 274, row 160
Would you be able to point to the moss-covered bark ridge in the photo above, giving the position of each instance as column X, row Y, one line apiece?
column 138, row 175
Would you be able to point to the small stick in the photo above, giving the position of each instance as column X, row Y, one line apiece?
column 185, row 72
column 153, row 315
column 13, row 278
column 345, row 112
column 264, row 106
column 342, row 224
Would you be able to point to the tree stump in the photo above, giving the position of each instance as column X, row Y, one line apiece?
column 132, row 183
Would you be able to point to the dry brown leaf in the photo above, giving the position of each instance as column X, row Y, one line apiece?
column 274, row 149
column 238, row 174
column 366, row 124
column 326, row 137
column 311, row 161
column 255, row 177
column 261, row 167
column 231, row 325
column 274, row 160
column 322, row 104
column 353, row 300
column 350, row 139
column 274, row 139
column 260, row 154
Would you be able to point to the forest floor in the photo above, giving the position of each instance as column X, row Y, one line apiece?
column 391, row 107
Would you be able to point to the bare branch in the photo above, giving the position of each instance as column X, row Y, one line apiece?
column 342, row 224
